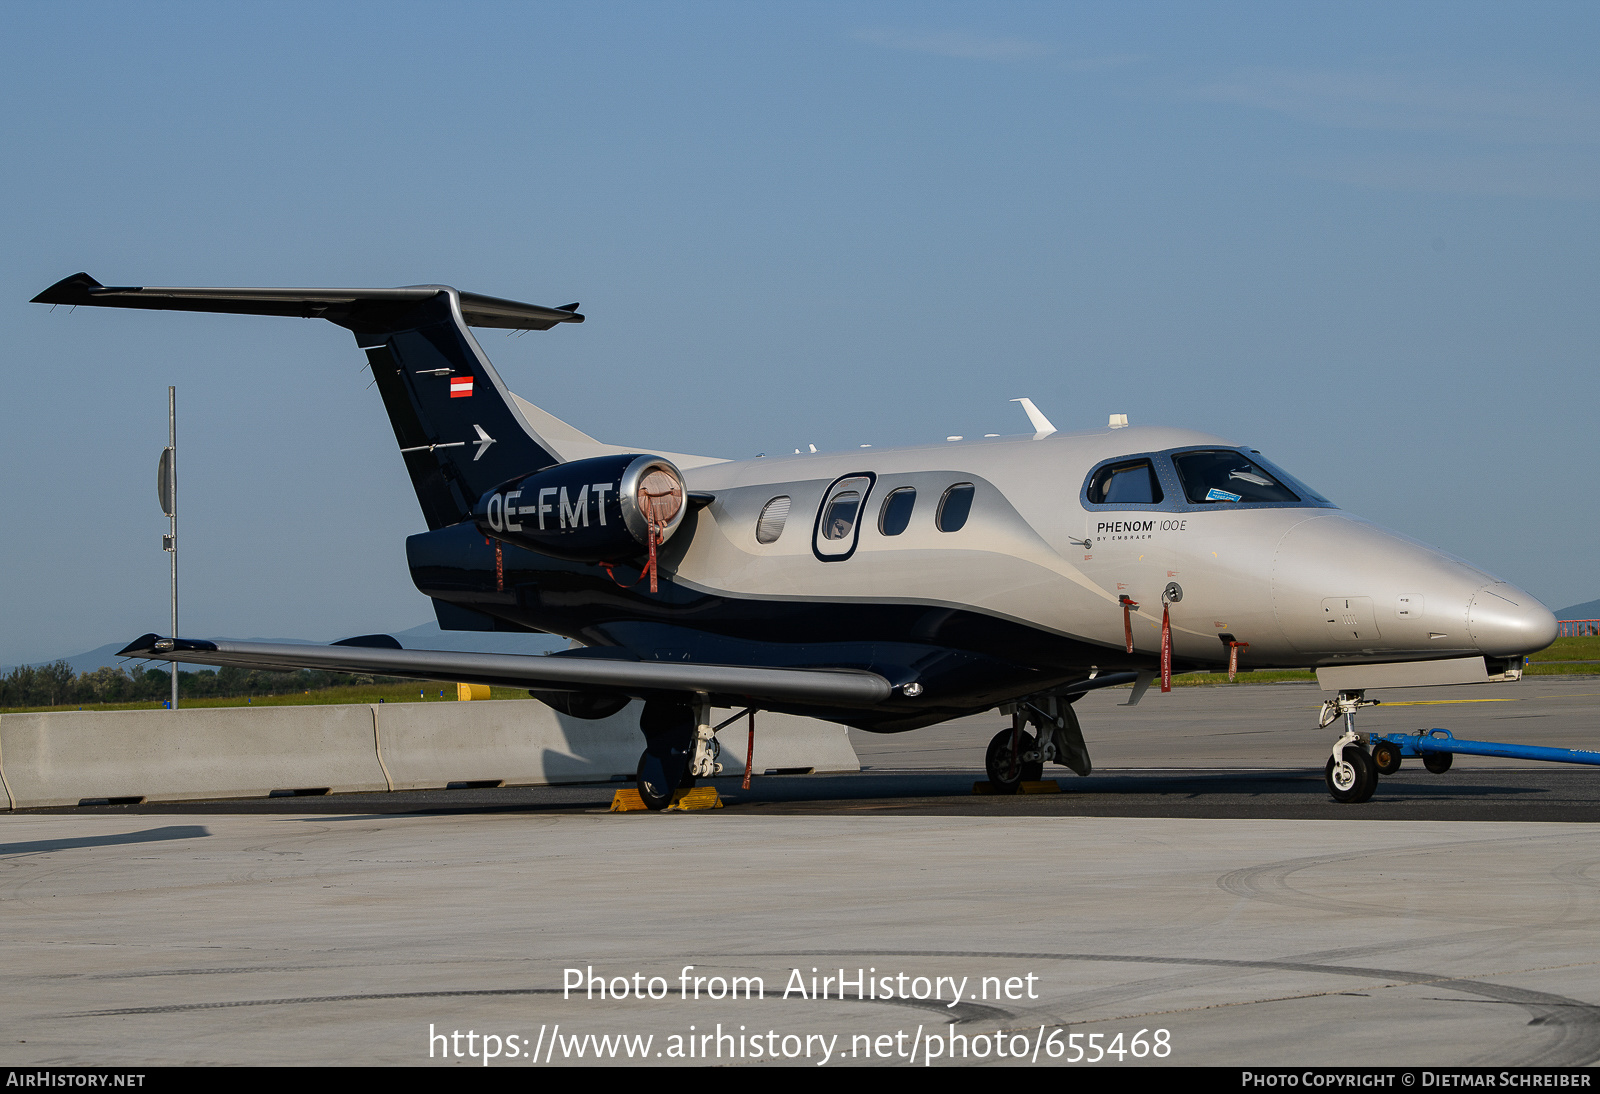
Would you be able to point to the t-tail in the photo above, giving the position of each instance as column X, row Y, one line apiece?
column 460, row 431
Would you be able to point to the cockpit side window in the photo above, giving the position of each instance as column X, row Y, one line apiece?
column 1224, row 476
column 1132, row 482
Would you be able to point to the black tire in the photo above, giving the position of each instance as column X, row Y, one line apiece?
column 1386, row 757
column 1363, row 776
column 668, row 726
column 1005, row 774
column 653, row 789
column 1438, row 762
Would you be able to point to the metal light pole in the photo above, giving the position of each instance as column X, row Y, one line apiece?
column 167, row 488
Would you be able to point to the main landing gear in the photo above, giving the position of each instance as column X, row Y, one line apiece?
column 1016, row 756
column 680, row 748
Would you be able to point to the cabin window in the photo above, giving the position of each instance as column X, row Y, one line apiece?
column 839, row 520
column 1224, row 477
column 769, row 526
column 896, row 513
column 954, row 508
column 1132, row 482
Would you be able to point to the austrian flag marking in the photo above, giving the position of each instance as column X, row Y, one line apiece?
column 460, row 387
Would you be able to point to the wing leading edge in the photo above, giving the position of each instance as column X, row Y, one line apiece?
column 830, row 687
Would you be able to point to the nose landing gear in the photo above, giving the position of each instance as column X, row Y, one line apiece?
column 1351, row 772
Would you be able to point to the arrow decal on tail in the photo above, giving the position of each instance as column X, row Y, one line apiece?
column 484, row 441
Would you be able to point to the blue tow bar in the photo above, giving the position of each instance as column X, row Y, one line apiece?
column 1440, row 740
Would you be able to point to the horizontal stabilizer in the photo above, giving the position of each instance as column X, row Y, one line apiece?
column 740, row 683
column 346, row 307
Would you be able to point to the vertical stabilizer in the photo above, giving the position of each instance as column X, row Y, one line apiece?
column 461, row 432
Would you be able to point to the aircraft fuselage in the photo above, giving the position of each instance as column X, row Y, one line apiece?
column 1025, row 591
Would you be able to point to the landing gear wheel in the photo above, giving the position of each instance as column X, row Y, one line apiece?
column 1385, row 757
column 1005, row 773
column 669, row 727
column 1438, row 762
column 1355, row 779
column 655, row 790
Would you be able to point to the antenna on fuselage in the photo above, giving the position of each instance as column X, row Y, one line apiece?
column 1041, row 424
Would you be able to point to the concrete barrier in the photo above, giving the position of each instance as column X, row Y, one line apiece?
column 787, row 742
column 521, row 743
column 203, row 752
column 11, row 803
column 242, row 752
column 516, row 742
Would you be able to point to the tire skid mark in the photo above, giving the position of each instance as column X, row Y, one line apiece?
column 962, row 1012
column 1269, row 881
column 172, row 1008
column 1573, row 1025
column 1582, row 873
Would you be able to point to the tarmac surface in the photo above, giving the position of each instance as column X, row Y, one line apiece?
column 1200, row 886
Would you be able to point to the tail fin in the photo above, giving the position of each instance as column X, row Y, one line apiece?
column 461, row 432
column 458, row 427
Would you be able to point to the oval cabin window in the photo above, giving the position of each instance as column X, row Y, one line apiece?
column 769, row 526
column 896, row 514
column 954, row 507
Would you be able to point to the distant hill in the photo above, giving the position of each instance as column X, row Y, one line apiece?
column 428, row 636
column 1590, row 610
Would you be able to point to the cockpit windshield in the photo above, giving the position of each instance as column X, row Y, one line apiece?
column 1225, row 476
column 1187, row 478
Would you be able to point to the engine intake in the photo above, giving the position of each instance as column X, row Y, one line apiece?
column 604, row 509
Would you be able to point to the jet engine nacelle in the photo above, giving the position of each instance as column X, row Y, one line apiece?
column 603, row 509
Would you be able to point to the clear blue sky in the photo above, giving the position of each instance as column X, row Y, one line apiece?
column 1362, row 238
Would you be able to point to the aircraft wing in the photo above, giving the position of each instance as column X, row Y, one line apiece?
column 734, row 683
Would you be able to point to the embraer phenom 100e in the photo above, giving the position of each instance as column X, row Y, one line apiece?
column 886, row 589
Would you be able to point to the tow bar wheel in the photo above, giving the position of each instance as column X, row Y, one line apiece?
column 1355, row 779
column 1437, row 762
column 1386, row 757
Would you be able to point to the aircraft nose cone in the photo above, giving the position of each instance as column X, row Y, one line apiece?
column 1506, row 622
